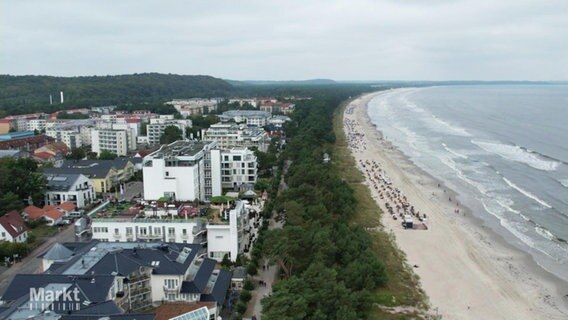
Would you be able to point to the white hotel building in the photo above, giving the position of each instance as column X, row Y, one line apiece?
column 189, row 170
column 229, row 135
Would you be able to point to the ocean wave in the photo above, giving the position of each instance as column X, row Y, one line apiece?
column 544, row 232
column 518, row 154
column 457, row 154
column 526, row 193
column 564, row 182
column 445, row 127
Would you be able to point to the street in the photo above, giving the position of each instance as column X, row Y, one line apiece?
column 30, row 264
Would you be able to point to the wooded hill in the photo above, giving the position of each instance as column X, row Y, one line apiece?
column 26, row 94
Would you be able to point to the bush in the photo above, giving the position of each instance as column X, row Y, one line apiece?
column 241, row 307
column 252, row 269
column 245, row 296
column 248, row 285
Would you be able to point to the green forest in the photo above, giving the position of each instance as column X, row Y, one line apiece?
column 26, row 94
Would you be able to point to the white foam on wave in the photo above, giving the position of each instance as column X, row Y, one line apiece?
column 445, row 127
column 544, row 232
column 518, row 154
column 564, row 182
column 526, row 193
column 455, row 153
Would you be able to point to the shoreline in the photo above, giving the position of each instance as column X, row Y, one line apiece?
column 467, row 270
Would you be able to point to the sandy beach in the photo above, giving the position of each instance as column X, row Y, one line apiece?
column 467, row 271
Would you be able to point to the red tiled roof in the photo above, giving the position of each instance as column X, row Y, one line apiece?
column 33, row 212
column 34, row 141
column 67, row 206
column 54, row 214
column 43, row 155
column 48, row 207
column 13, row 223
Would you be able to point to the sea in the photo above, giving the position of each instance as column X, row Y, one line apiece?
column 502, row 148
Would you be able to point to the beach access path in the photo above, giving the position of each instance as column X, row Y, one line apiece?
column 466, row 272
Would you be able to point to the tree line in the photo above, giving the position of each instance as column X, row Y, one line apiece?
column 328, row 266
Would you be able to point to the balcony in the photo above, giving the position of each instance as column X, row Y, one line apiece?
column 185, row 236
column 171, row 289
column 129, row 236
column 139, row 291
column 116, row 236
column 138, row 278
column 146, row 236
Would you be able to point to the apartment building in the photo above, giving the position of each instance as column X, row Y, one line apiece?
column 36, row 124
column 74, row 133
column 118, row 280
column 229, row 135
column 177, row 171
column 149, row 229
column 250, row 117
column 156, row 127
column 190, row 107
column 235, row 167
column 115, row 141
column 75, row 188
column 230, row 236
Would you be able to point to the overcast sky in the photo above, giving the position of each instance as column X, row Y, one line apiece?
column 280, row 40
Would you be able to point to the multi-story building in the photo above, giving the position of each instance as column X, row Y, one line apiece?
column 156, row 127
column 149, row 229
column 129, row 276
column 189, row 170
column 277, row 107
column 74, row 133
column 115, row 141
column 176, row 171
column 36, row 124
column 230, row 236
column 242, row 101
column 103, row 174
column 75, row 188
column 189, row 107
column 235, row 166
column 250, row 117
column 229, row 135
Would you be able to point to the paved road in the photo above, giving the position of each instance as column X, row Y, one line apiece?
column 30, row 264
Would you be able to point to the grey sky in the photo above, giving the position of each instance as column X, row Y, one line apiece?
column 343, row 40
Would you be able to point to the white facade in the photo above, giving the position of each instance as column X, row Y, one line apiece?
column 156, row 127
column 189, row 107
column 250, row 117
column 145, row 229
column 176, row 170
column 69, row 187
column 115, row 141
column 228, row 238
column 229, row 135
column 237, row 166
column 36, row 124
column 74, row 133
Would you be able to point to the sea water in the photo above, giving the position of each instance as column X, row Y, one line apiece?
column 502, row 148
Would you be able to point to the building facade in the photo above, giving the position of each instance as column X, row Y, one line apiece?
column 115, row 141
column 75, row 188
column 229, row 135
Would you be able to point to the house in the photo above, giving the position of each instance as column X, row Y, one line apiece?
column 13, row 227
column 229, row 237
column 53, row 152
column 146, row 273
column 27, row 143
column 103, row 174
column 53, row 215
column 75, row 188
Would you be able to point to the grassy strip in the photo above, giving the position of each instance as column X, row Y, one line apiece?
column 403, row 287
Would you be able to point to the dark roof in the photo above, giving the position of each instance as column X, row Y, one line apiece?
column 219, row 290
column 123, row 263
column 126, row 316
column 204, row 273
column 199, row 282
column 104, row 308
column 91, row 168
column 13, row 223
column 58, row 252
column 60, row 181
column 93, row 291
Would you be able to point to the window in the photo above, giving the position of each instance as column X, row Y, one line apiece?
column 171, row 231
column 128, row 230
column 116, row 231
column 184, row 232
column 236, row 158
